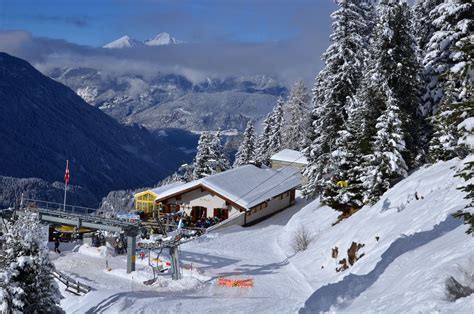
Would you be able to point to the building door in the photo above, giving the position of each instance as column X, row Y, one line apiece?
column 221, row 213
column 198, row 213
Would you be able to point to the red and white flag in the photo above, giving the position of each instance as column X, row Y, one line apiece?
column 66, row 175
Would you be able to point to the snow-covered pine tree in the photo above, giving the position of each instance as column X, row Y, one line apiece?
column 448, row 53
column 349, row 165
column 200, row 166
column 423, row 31
column 262, row 152
column 369, row 15
column 335, row 84
column 463, row 109
column 399, row 63
column 466, row 129
column 423, row 23
column 463, row 112
column 387, row 162
column 390, row 85
column 276, row 137
column 246, row 152
column 270, row 141
column 444, row 141
column 297, row 121
column 26, row 283
column 219, row 161
column 467, row 173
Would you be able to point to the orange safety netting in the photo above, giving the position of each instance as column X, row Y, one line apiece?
column 241, row 283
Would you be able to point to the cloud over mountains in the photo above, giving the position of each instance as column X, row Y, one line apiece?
column 287, row 60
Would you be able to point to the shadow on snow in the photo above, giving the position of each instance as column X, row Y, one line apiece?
column 352, row 286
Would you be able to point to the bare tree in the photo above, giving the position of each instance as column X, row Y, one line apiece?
column 301, row 239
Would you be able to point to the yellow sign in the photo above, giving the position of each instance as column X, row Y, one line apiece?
column 134, row 258
column 71, row 229
column 342, row 184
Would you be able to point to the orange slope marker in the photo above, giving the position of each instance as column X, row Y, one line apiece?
column 239, row 283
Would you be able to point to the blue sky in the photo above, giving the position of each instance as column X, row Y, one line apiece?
column 280, row 38
column 95, row 22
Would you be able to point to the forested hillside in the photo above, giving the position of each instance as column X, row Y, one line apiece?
column 43, row 124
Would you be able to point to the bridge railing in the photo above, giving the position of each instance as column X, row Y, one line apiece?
column 32, row 204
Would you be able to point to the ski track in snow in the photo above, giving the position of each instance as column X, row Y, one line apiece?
column 410, row 231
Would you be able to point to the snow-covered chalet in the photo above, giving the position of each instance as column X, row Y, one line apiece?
column 289, row 158
column 244, row 195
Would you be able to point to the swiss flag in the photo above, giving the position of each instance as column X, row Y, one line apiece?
column 66, row 175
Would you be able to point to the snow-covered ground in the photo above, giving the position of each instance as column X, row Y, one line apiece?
column 410, row 247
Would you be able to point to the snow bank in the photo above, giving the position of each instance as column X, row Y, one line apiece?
column 138, row 276
column 101, row 251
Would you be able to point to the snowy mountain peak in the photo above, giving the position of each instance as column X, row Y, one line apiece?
column 162, row 39
column 123, row 42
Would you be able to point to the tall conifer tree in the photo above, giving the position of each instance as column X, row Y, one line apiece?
column 447, row 55
column 270, row 141
column 297, row 124
column 220, row 160
column 335, row 85
column 246, row 152
column 26, row 282
column 201, row 166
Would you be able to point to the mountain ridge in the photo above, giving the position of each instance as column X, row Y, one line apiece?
column 127, row 97
column 161, row 39
column 43, row 123
column 124, row 42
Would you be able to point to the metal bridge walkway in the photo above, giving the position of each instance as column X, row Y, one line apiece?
column 86, row 217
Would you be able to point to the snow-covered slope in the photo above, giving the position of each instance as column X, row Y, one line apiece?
column 419, row 245
column 403, row 225
column 124, row 42
column 162, row 39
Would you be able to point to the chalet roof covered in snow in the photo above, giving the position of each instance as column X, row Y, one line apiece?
column 163, row 188
column 246, row 186
column 291, row 156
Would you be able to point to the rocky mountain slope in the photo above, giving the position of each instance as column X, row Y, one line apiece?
column 170, row 100
column 43, row 123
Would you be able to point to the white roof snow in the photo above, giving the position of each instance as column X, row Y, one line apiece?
column 291, row 156
column 246, row 186
column 163, row 188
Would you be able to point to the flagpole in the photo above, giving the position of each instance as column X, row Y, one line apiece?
column 65, row 185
